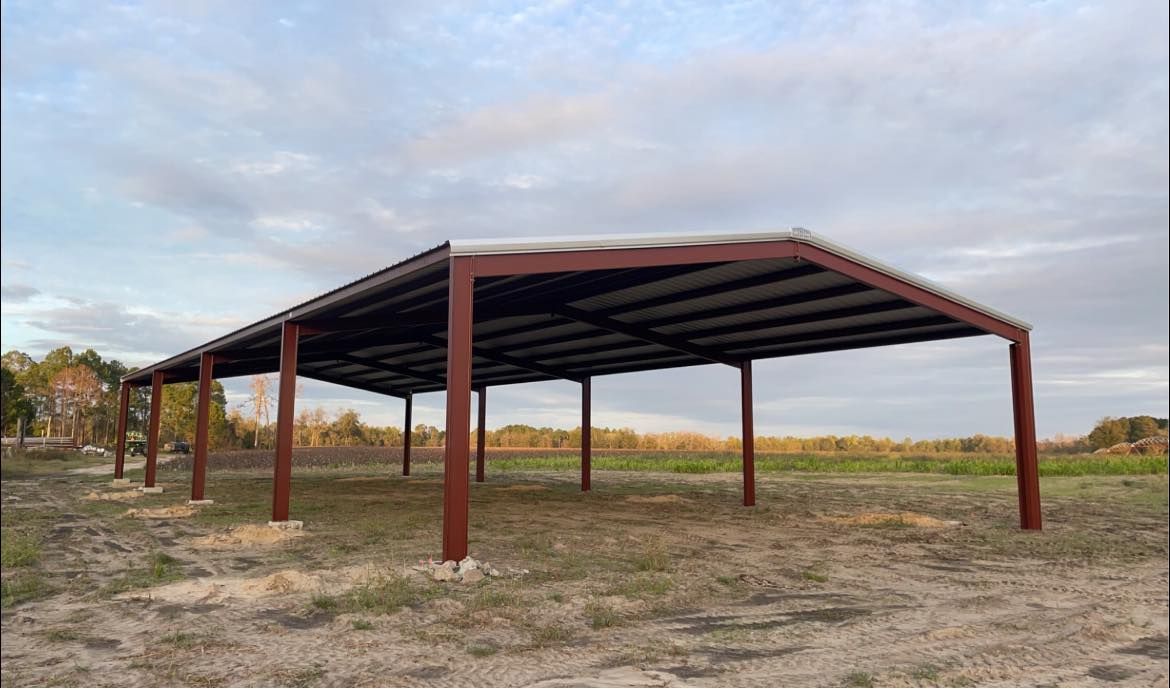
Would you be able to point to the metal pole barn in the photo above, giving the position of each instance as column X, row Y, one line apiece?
column 578, row 308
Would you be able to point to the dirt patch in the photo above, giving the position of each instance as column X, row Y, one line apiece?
column 523, row 488
column 892, row 519
column 360, row 479
column 671, row 499
column 628, row 676
column 287, row 581
column 118, row 495
column 172, row 512
column 595, row 591
column 246, row 535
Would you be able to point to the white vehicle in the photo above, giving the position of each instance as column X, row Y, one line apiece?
column 93, row 450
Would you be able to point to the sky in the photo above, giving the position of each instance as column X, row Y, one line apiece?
column 174, row 170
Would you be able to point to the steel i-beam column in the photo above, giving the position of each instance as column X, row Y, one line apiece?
column 202, row 426
column 285, row 405
column 123, row 419
column 156, row 389
column 749, row 435
column 1027, row 467
column 455, row 484
column 406, row 435
column 586, row 435
column 480, row 434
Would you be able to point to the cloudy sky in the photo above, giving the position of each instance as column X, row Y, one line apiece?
column 172, row 170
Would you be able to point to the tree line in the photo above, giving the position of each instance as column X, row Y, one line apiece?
column 1110, row 431
column 76, row 395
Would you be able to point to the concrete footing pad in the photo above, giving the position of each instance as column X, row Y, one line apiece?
column 151, row 489
column 200, row 502
column 290, row 525
column 122, row 482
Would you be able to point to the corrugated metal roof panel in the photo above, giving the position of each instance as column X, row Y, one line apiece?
column 626, row 318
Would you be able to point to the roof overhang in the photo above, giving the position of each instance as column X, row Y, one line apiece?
column 582, row 306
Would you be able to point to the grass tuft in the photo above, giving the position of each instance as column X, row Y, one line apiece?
column 858, row 679
column 382, row 595
column 601, row 615
column 159, row 568
column 640, row 587
column 653, row 559
column 550, row 635
column 482, row 650
column 18, row 549
column 23, row 587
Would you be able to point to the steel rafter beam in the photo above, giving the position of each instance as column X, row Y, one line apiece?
column 355, row 323
column 647, row 335
column 404, row 371
column 759, row 305
column 770, row 278
column 359, row 385
column 802, row 319
column 851, row 331
column 502, row 358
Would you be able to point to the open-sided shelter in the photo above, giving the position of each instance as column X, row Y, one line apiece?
column 468, row 315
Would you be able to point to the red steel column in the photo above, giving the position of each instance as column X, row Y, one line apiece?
column 406, row 436
column 480, row 434
column 123, row 418
column 749, row 435
column 202, row 426
column 455, row 483
column 156, row 388
column 1027, row 465
column 285, row 404
column 586, row 435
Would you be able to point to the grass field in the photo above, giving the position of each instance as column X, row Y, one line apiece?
column 46, row 462
column 527, row 459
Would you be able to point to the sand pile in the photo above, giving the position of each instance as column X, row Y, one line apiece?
column 119, row 495
column 173, row 512
column 248, row 534
column 893, row 519
column 286, row 581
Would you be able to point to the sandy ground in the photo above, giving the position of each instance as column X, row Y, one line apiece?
column 649, row 581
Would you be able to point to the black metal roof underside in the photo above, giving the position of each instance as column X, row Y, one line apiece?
column 572, row 325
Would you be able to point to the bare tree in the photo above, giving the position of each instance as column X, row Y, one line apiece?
column 261, row 400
